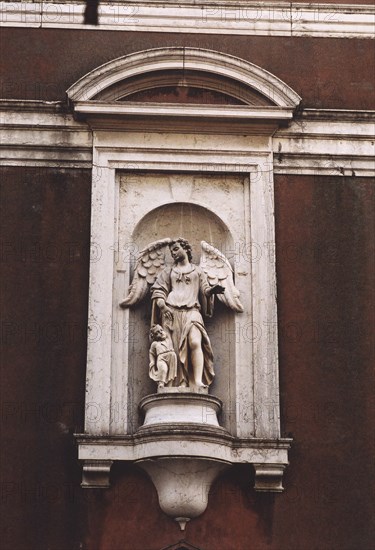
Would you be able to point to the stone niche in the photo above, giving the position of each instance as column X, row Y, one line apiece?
column 152, row 207
column 203, row 172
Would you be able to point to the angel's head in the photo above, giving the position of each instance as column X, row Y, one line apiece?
column 176, row 245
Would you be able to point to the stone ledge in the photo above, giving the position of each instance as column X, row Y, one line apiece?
column 189, row 441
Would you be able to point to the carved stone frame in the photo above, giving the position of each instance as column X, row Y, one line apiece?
column 180, row 139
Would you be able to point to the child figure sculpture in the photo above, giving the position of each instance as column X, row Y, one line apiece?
column 163, row 360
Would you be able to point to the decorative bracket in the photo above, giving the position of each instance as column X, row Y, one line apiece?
column 95, row 474
column 269, row 477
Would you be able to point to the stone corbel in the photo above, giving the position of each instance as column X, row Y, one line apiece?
column 269, row 477
column 183, row 484
column 95, row 474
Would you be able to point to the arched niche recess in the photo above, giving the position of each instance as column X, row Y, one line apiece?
column 194, row 223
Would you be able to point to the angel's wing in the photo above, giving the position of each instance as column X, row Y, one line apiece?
column 150, row 262
column 219, row 271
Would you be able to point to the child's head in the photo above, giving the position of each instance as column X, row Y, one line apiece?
column 157, row 333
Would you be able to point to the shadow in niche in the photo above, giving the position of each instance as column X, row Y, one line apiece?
column 195, row 223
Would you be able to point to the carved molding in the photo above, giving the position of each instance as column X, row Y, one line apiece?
column 247, row 18
column 188, row 440
column 334, row 142
column 231, row 112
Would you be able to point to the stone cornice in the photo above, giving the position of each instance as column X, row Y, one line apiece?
column 185, row 111
column 291, row 19
column 318, row 141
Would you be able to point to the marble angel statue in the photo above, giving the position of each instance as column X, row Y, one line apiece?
column 180, row 293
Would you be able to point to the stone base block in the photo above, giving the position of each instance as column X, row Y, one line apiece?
column 180, row 407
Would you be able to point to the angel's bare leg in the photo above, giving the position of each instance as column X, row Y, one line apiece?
column 196, row 354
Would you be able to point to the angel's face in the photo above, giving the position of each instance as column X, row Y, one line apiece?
column 178, row 253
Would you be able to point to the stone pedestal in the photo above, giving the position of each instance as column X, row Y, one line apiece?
column 180, row 406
